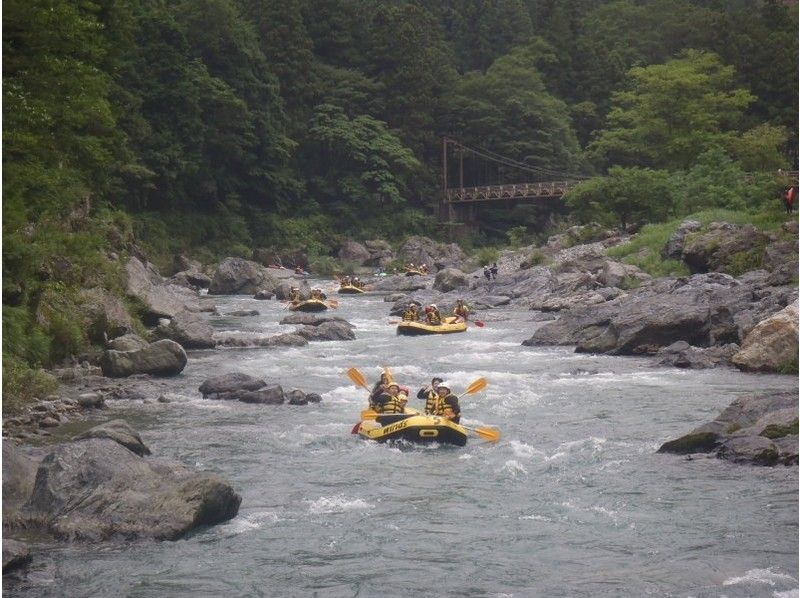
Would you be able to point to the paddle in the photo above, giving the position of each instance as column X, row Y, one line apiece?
column 333, row 303
column 358, row 378
column 485, row 433
column 476, row 386
column 478, row 323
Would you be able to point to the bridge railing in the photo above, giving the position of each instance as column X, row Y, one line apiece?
column 543, row 190
column 513, row 191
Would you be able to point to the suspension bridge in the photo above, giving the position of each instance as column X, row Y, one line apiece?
column 459, row 203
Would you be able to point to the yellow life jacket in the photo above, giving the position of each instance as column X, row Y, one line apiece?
column 393, row 405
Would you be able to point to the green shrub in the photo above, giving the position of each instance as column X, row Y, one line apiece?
column 22, row 383
column 325, row 265
column 487, row 255
column 516, row 236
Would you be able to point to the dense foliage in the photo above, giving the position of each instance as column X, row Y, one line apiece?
column 215, row 126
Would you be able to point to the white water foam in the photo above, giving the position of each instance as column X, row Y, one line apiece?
column 766, row 576
column 337, row 504
column 514, row 468
column 250, row 522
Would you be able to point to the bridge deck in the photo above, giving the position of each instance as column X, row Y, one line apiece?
column 548, row 190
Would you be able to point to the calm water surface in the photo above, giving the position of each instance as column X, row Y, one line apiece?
column 573, row 501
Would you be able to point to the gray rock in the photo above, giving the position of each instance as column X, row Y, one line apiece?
column 231, row 382
column 15, row 555
column 328, row 331
column 120, row 432
column 19, row 474
column 162, row 358
column 96, row 489
column 449, row 279
column 161, row 299
column 674, row 247
column 92, row 400
column 269, row 395
column 307, row 319
column 237, row 276
column 296, row 397
column 759, row 430
column 354, row 252
column 127, row 342
column 188, row 330
column 241, row 339
column 772, row 344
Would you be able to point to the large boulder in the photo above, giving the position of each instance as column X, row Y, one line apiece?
column 105, row 314
column 237, row 386
column 162, row 358
column 724, row 247
column 16, row 554
column 352, row 251
column 231, row 383
column 759, row 430
column 19, row 474
column 189, row 330
column 127, row 342
column 160, row 299
column 120, row 432
column 237, row 276
column 772, row 345
column 328, row 331
column 422, row 250
column 673, row 249
column 249, row 339
column 449, row 279
column 96, row 489
column 703, row 310
column 191, row 279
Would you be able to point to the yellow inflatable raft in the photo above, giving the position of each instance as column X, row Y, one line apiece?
column 309, row 305
column 414, row 328
column 413, row 428
column 350, row 290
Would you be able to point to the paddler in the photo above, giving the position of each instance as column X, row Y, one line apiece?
column 461, row 311
column 379, row 390
column 396, row 401
column 447, row 403
column 429, row 395
column 294, row 295
column 433, row 315
column 411, row 314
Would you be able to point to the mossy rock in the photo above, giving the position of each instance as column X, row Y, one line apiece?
column 699, row 442
column 774, row 431
column 768, row 456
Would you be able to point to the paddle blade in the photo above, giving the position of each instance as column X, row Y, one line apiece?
column 487, row 433
column 478, row 323
column 388, row 373
column 355, row 428
column 476, row 386
column 357, row 377
column 333, row 303
column 368, row 414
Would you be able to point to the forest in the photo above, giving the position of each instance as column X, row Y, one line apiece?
column 212, row 127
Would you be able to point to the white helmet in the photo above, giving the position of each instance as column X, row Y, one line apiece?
column 433, row 305
column 444, row 384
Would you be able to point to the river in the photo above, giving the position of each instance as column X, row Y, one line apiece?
column 573, row 501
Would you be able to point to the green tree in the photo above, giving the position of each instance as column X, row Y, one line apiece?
column 509, row 110
column 361, row 168
column 626, row 195
column 672, row 113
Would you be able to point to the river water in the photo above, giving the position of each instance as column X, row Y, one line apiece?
column 573, row 501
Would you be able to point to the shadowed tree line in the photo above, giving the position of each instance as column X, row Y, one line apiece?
column 215, row 126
